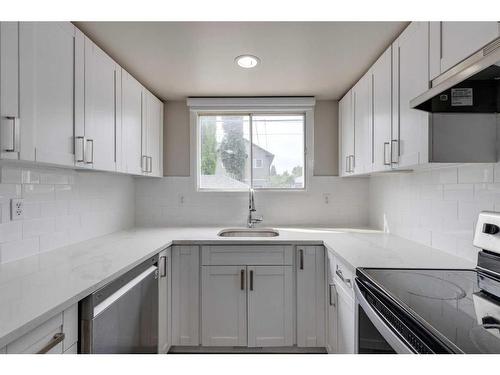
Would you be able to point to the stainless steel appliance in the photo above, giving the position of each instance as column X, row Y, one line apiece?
column 122, row 316
column 433, row 310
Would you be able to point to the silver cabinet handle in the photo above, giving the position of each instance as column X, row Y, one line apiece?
column 163, row 266
column 332, row 294
column 339, row 273
column 144, row 162
column 301, row 259
column 56, row 339
column 351, row 163
column 387, row 146
column 149, row 164
column 80, row 149
column 251, row 279
column 91, row 143
column 347, row 164
column 13, row 134
column 395, row 152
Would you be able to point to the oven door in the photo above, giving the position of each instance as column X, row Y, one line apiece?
column 374, row 336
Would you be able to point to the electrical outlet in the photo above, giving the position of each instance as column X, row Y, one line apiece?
column 326, row 198
column 16, row 209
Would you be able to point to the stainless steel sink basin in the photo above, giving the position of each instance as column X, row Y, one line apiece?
column 248, row 232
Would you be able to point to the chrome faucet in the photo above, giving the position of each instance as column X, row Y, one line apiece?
column 251, row 221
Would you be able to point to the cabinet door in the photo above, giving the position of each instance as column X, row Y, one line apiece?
column 346, row 134
column 459, row 40
column 9, row 89
column 185, row 295
column 331, row 336
column 311, row 296
column 154, row 135
column 132, row 92
column 224, row 306
column 345, row 322
column 47, row 85
column 382, row 111
column 270, row 306
column 362, row 125
column 100, row 94
column 411, row 51
column 165, row 301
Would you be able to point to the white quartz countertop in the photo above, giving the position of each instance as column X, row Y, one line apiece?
column 36, row 288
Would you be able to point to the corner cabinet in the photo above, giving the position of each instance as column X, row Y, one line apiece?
column 152, row 135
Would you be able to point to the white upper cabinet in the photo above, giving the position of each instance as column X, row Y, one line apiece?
column 152, row 134
column 410, row 79
column 381, row 73
column 346, row 138
column 363, row 152
column 132, row 104
column 452, row 42
column 101, row 77
column 47, row 52
column 9, row 90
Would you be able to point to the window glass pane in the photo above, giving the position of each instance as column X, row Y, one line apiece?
column 224, row 158
column 278, row 141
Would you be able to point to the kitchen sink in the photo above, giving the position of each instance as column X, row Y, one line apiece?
column 248, row 232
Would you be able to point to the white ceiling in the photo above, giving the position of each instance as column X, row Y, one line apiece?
column 180, row 59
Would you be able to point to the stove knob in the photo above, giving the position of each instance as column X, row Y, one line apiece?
column 490, row 228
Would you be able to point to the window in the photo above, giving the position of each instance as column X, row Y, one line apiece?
column 264, row 151
column 257, row 163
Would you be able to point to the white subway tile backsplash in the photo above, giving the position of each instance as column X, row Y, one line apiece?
column 55, row 201
column 450, row 219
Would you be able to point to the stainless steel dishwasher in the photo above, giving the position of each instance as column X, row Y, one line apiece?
column 122, row 316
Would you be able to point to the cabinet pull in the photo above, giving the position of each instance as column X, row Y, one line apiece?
column 144, row 163
column 301, row 259
column 56, row 339
column 80, row 150
column 347, row 164
column 341, row 277
column 242, row 279
column 163, row 266
column 351, row 164
column 332, row 294
column 14, row 135
column 91, row 143
column 395, row 153
column 386, row 144
column 149, row 164
column 251, row 279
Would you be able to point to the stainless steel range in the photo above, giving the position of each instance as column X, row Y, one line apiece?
column 433, row 310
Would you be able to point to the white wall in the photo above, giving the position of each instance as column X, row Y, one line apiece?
column 436, row 207
column 173, row 201
column 61, row 207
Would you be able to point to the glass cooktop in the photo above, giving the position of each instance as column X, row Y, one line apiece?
column 451, row 304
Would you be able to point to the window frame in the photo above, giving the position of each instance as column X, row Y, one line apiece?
column 252, row 106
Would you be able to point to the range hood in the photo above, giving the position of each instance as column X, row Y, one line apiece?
column 472, row 86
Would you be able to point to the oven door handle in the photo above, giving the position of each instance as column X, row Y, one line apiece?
column 387, row 333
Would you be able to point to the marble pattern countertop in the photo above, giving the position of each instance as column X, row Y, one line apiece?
column 36, row 288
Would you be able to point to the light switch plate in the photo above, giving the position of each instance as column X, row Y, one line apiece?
column 16, row 209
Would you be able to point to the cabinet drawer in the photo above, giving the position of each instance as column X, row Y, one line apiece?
column 344, row 275
column 39, row 337
column 232, row 255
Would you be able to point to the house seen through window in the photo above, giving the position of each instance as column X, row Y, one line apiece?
column 251, row 150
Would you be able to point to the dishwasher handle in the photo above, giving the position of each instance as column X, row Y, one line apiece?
column 125, row 289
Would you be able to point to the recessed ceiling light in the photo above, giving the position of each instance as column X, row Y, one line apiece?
column 247, row 61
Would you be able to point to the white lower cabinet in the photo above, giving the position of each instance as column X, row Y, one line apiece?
column 247, row 306
column 270, row 306
column 345, row 321
column 311, row 296
column 224, row 305
column 331, row 323
column 56, row 335
column 185, row 295
column 165, row 301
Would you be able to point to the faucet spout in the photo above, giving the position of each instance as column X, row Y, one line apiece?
column 251, row 221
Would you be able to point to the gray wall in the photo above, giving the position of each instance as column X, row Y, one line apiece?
column 176, row 142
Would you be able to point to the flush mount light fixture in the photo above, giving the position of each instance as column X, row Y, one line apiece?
column 247, row 61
